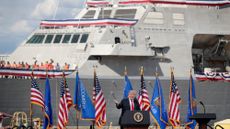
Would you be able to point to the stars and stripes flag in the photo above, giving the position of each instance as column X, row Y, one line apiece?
column 174, row 102
column 68, row 95
column 143, row 97
column 99, row 102
column 64, row 104
column 36, row 97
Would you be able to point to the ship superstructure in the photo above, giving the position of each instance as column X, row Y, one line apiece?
column 154, row 34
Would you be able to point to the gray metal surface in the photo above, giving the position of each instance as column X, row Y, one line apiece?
column 15, row 96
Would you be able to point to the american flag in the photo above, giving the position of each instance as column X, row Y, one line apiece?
column 36, row 95
column 63, row 107
column 68, row 95
column 174, row 112
column 143, row 97
column 99, row 102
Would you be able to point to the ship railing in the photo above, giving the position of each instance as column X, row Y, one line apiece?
column 4, row 57
column 27, row 73
column 85, row 23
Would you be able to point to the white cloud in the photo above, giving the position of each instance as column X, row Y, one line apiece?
column 21, row 26
column 45, row 9
column 72, row 3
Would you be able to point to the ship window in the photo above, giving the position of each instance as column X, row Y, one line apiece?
column 89, row 14
column 36, row 39
column 178, row 18
column 75, row 38
column 57, row 38
column 84, row 38
column 49, row 38
column 154, row 18
column 104, row 14
column 125, row 13
column 66, row 38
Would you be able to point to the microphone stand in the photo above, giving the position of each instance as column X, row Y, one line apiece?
column 203, row 106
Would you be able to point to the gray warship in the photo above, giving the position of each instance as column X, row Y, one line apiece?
column 112, row 35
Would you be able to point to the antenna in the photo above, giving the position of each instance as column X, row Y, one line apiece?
column 55, row 12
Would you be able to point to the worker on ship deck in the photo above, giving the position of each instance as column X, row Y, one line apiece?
column 35, row 65
column 27, row 66
column 66, row 66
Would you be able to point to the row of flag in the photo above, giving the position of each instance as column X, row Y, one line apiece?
column 157, row 105
column 95, row 109
column 90, row 110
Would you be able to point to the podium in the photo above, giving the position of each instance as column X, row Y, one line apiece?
column 203, row 118
column 135, row 120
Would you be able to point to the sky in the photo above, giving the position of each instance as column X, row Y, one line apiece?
column 19, row 18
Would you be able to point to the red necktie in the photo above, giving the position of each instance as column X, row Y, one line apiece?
column 132, row 105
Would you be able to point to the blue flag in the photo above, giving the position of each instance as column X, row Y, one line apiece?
column 87, row 107
column 128, row 87
column 48, row 121
column 158, row 107
column 77, row 100
column 192, row 108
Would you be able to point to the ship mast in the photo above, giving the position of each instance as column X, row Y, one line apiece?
column 56, row 9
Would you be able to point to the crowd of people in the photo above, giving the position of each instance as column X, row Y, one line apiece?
column 48, row 65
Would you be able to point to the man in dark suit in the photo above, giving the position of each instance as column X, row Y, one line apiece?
column 128, row 104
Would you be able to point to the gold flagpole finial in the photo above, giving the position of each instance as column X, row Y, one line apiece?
column 142, row 70
column 190, row 71
column 47, row 76
column 94, row 69
column 63, row 74
column 32, row 73
column 156, row 72
column 76, row 68
column 125, row 72
column 172, row 70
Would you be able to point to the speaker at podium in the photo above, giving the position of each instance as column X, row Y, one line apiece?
column 135, row 120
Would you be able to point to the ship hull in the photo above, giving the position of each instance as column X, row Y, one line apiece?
column 15, row 96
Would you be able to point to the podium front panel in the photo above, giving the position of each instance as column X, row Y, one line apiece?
column 135, row 119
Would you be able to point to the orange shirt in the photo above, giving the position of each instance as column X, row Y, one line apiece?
column 66, row 67
column 35, row 66
column 46, row 66
column 14, row 65
column 42, row 67
column 8, row 66
column 50, row 67
column 27, row 66
column 19, row 66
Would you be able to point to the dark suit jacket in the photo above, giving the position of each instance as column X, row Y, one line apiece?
column 124, row 105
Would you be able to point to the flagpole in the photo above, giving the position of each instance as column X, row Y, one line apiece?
column 31, row 115
column 77, row 113
column 31, row 106
column 94, row 87
column 57, row 95
column 156, row 75
column 77, row 118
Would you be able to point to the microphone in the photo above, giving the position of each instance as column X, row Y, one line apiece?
column 203, row 106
